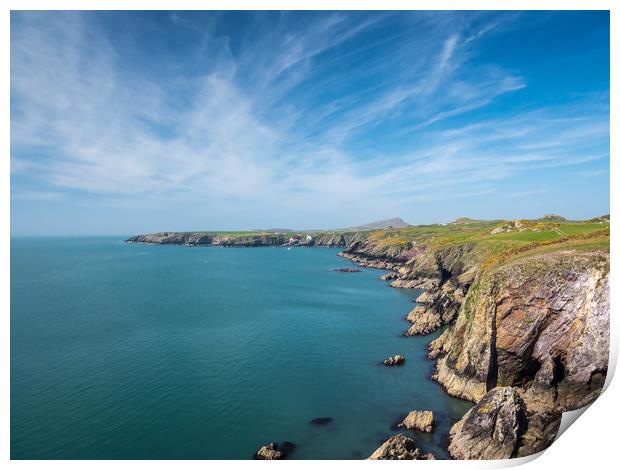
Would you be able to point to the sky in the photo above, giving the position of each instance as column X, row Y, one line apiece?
column 135, row 122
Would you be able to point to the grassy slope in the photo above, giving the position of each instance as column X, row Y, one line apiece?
column 530, row 237
column 533, row 237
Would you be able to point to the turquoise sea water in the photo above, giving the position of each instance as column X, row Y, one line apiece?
column 136, row 351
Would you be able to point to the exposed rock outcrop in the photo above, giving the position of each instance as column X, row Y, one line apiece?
column 274, row 451
column 396, row 360
column 423, row 321
column 399, row 447
column 439, row 307
column 388, row 276
column 501, row 426
column 420, row 420
column 491, row 429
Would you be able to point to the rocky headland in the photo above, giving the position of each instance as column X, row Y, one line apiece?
column 524, row 304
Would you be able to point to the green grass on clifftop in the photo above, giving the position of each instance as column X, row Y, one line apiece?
column 488, row 242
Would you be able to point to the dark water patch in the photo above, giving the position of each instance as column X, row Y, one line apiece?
column 321, row 421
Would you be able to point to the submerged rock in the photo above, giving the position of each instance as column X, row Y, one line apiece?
column 348, row 270
column 397, row 447
column 274, row 451
column 396, row 360
column 321, row 421
column 420, row 420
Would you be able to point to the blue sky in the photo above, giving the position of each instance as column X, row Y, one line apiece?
column 131, row 122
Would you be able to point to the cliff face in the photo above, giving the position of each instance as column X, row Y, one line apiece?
column 540, row 323
column 325, row 239
column 528, row 338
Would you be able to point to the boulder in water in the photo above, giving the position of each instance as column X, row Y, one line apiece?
column 274, row 451
column 396, row 360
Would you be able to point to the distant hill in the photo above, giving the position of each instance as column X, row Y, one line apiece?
column 394, row 222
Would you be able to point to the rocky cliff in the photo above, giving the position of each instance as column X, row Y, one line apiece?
column 528, row 334
column 326, row 239
column 540, row 323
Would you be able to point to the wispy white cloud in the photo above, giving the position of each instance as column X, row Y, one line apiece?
column 245, row 130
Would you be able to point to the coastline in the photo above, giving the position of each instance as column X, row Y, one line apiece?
column 510, row 346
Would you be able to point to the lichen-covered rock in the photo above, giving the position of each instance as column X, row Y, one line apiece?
column 420, row 420
column 396, row 360
column 491, row 429
column 501, row 426
column 397, row 447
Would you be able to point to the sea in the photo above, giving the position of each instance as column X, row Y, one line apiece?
column 129, row 351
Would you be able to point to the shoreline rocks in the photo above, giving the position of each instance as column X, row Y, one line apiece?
column 274, row 451
column 491, row 429
column 396, row 360
column 424, row 322
column 389, row 276
column 398, row 447
column 418, row 420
